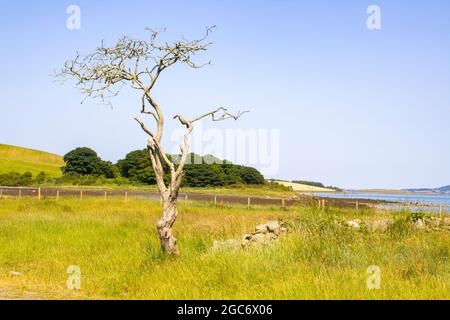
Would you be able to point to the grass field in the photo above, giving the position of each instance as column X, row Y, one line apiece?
column 116, row 247
column 238, row 190
column 21, row 160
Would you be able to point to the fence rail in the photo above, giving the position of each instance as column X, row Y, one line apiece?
column 57, row 193
column 322, row 203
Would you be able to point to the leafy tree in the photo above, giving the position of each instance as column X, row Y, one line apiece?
column 41, row 178
column 251, row 175
column 200, row 171
column 204, row 175
column 85, row 161
column 14, row 179
column 137, row 167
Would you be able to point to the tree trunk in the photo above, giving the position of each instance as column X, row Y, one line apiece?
column 164, row 226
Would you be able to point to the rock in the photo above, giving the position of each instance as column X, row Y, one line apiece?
column 379, row 225
column 273, row 226
column 354, row 224
column 271, row 236
column 446, row 221
column 226, row 245
column 419, row 224
column 245, row 239
column 261, row 229
column 259, row 238
column 433, row 222
column 14, row 274
column 263, row 234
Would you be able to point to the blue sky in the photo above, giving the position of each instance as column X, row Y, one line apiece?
column 355, row 108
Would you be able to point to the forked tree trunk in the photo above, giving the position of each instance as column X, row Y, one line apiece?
column 165, row 224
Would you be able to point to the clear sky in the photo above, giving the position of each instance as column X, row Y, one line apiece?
column 354, row 107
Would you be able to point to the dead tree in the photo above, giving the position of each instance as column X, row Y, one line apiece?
column 139, row 64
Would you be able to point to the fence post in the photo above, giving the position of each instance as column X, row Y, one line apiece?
column 126, row 196
column 357, row 206
column 215, row 200
column 323, row 205
column 282, row 203
column 248, row 203
column 20, row 193
column 39, row 193
column 186, row 199
column 1, row 193
column 441, row 209
column 104, row 197
column 81, row 194
column 57, row 195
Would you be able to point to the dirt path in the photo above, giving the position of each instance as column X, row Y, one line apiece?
column 14, row 294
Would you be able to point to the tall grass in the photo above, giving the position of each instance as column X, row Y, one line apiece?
column 115, row 245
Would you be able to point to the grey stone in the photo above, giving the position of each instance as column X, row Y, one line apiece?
column 354, row 224
column 245, row 239
column 263, row 234
column 271, row 236
column 273, row 226
column 261, row 229
column 433, row 222
column 419, row 224
column 259, row 238
column 379, row 225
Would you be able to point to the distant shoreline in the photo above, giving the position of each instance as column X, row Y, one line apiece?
column 401, row 192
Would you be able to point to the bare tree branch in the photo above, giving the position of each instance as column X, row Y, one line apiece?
column 189, row 127
column 105, row 72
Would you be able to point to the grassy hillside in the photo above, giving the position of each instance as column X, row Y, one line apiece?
column 18, row 159
column 304, row 188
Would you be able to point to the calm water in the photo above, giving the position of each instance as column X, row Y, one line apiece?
column 405, row 198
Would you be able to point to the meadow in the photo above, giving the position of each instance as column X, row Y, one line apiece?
column 21, row 160
column 116, row 247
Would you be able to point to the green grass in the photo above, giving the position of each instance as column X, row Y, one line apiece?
column 238, row 190
column 266, row 190
column 116, row 247
column 21, row 160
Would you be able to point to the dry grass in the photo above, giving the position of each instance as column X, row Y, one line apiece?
column 116, row 247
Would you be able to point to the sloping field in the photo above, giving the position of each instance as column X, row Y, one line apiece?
column 303, row 187
column 21, row 160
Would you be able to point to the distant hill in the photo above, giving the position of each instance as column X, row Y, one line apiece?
column 441, row 190
column 21, row 160
column 300, row 187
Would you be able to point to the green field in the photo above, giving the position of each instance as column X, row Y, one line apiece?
column 116, row 247
column 237, row 190
column 21, row 160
